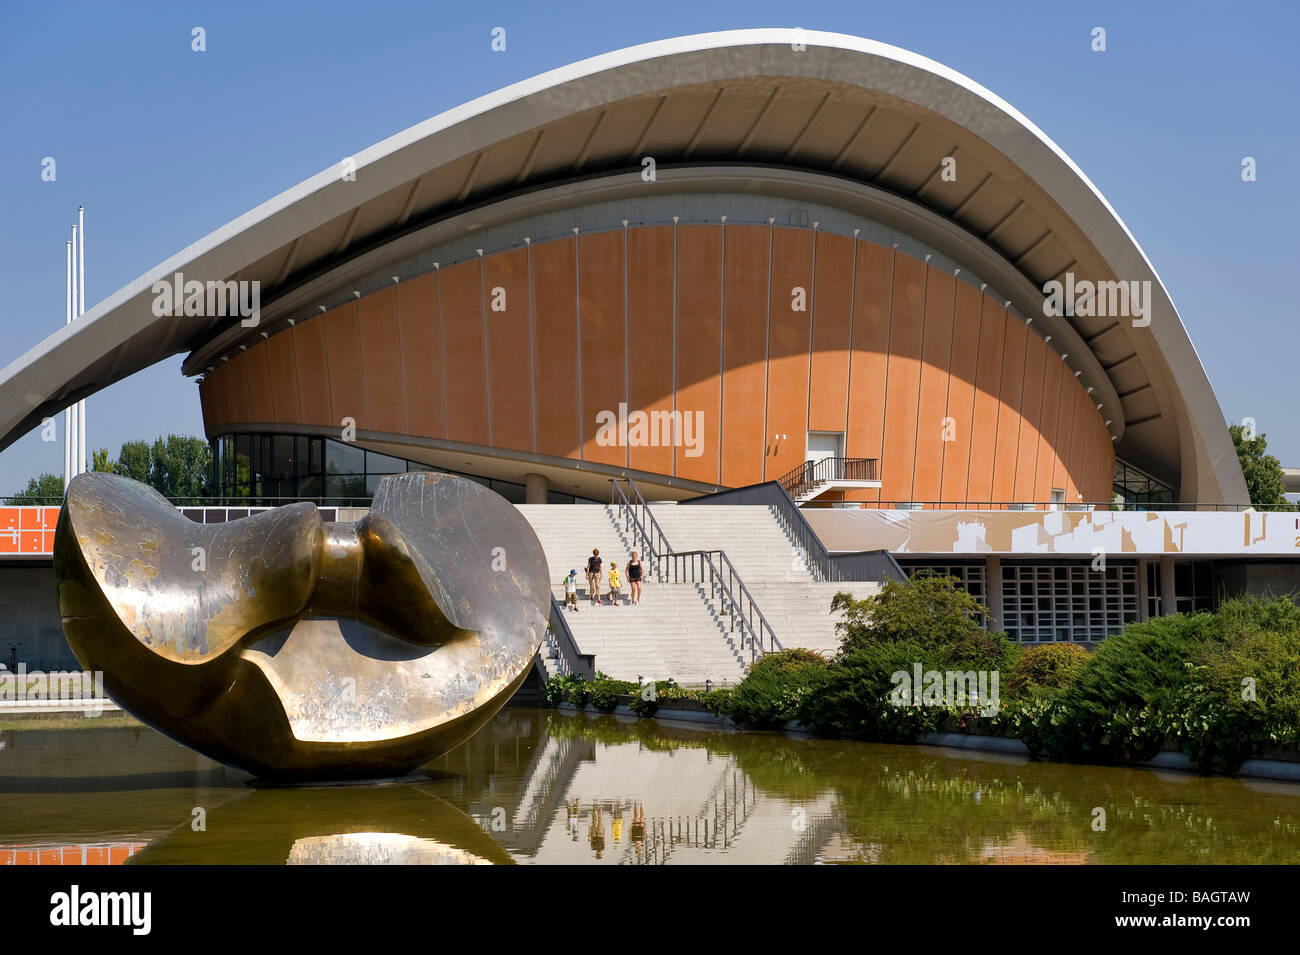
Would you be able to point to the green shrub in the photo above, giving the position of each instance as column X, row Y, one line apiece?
column 926, row 609
column 718, row 702
column 605, row 693
column 852, row 696
column 1052, row 665
column 645, row 700
column 556, row 690
column 775, row 687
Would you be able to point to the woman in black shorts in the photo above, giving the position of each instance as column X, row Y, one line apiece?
column 633, row 568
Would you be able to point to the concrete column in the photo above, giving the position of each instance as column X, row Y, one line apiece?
column 993, row 589
column 535, row 487
column 1143, row 592
column 1168, row 604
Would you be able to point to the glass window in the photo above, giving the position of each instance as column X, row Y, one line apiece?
column 344, row 458
column 383, row 464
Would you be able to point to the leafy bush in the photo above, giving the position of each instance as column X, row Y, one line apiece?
column 1053, row 665
column 605, row 693
column 928, row 609
column 852, row 696
column 775, row 687
column 556, row 690
column 718, row 702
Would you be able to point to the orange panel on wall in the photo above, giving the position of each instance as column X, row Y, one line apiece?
column 745, row 290
column 699, row 350
column 555, row 336
column 1079, row 408
column 509, row 342
column 869, row 358
column 261, row 403
column 462, row 332
column 1013, row 380
column 988, row 390
column 237, row 376
column 343, row 346
column 417, row 311
column 961, row 392
column 381, row 357
column 602, row 321
column 832, row 320
column 1050, row 418
column 788, row 349
column 284, row 378
column 1031, row 407
column 932, row 405
column 308, row 339
column 650, row 335
column 904, row 385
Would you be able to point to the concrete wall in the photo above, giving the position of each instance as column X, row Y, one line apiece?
column 30, row 631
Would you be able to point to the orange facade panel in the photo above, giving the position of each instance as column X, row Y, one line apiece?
column 788, row 348
column 932, row 404
column 285, row 392
column 873, row 278
column 744, row 383
column 959, row 426
column 421, row 369
column 1007, row 443
column 1031, row 406
column 903, row 387
column 313, row 372
column 509, row 348
column 343, row 358
column 699, row 351
column 381, row 362
column 602, row 320
column 555, row 339
column 650, row 336
column 466, row 369
column 832, row 324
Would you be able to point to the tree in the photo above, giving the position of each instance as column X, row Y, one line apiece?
column 929, row 610
column 46, row 489
column 1262, row 471
column 135, row 462
column 100, row 461
column 181, row 466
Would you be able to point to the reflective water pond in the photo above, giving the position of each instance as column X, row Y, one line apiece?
column 536, row 786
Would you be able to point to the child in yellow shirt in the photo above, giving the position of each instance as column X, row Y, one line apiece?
column 615, row 584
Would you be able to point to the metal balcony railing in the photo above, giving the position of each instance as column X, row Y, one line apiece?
column 811, row 473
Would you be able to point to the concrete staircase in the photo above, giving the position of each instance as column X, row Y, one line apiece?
column 678, row 631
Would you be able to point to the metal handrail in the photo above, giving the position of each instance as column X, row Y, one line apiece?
column 647, row 535
column 811, row 473
column 736, row 595
column 824, row 565
column 739, row 605
column 572, row 659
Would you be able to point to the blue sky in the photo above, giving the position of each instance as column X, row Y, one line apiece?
column 163, row 145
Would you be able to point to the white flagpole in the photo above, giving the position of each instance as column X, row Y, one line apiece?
column 81, row 310
column 67, row 414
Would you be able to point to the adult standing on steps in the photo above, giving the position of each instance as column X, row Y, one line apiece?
column 634, row 578
column 593, row 576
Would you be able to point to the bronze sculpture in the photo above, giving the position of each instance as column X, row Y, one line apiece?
column 298, row 649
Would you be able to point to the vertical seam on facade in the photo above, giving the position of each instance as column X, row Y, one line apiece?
column 361, row 353
column 767, row 344
column 532, row 348
column 329, row 378
column 674, row 448
column 947, row 394
column 627, row 361
column 812, row 322
column 1020, row 426
column 442, row 348
column 848, row 379
column 577, row 309
column 722, row 341
column 401, row 354
column 997, row 419
column 487, row 354
column 920, row 375
column 889, row 354
column 974, row 393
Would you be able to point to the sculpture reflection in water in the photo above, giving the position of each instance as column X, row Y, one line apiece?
column 404, row 824
column 298, row 649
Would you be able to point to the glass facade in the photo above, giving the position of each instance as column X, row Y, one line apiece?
column 1138, row 490
column 278, row 468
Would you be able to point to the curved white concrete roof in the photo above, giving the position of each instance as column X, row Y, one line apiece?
column 840, row 105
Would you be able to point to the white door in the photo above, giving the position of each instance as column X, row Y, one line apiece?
column 824, row 444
